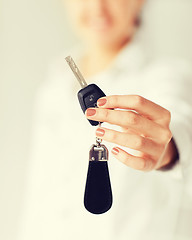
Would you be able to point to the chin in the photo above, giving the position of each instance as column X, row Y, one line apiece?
column 103, row 43
column 102, row 37
column 106, row 41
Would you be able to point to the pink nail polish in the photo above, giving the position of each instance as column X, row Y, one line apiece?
column 90, row 112
column 102, row 101
column 100, row 132
column 115, row 151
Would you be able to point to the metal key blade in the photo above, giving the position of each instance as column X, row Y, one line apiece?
column 76, row 71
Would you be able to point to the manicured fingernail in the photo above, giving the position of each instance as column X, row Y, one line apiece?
column 115, row 151
column 100, row 132
column 102, row 101
column 90, row 112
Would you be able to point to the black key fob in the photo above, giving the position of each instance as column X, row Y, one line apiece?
column 88, row 97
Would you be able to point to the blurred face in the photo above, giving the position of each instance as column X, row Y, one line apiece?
column 104, row 22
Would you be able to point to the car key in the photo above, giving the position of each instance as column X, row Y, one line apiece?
column 89, row 94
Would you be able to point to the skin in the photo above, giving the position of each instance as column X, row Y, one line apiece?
column 145, row 130
column 106, row 26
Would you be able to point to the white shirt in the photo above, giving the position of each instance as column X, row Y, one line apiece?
column 152, row 206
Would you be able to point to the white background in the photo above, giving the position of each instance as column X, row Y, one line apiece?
column 32, row 34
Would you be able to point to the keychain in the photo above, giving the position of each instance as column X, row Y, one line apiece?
column 98, row 193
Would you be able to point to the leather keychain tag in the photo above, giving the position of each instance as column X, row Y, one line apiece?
column 98, row 193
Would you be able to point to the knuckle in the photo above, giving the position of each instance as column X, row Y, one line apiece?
column 142, row 164
column 168, row 116
column 106, row 114
column 125, row 160
column 139, row 142
column 167, row 135
column 150, row 165
column 132, row 118
column 114, row 100
column 138, row 100
column 113, row 137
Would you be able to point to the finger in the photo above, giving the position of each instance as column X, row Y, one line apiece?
column 129, row 119
column 133, row 161
column 129, row 130
column 140, row 104
column 132, row 141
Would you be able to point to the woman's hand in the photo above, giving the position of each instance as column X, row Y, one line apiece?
column 145, row 128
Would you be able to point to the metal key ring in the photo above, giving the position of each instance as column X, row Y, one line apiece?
column 98, row 140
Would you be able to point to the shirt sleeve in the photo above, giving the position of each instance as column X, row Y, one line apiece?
column 173, row 91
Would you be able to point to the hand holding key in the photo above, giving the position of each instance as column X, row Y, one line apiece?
column 146, row 129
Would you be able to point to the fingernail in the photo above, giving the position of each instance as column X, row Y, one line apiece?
column 100, row 132
column 90, row 112
column 102, row 101
column 115, row 151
